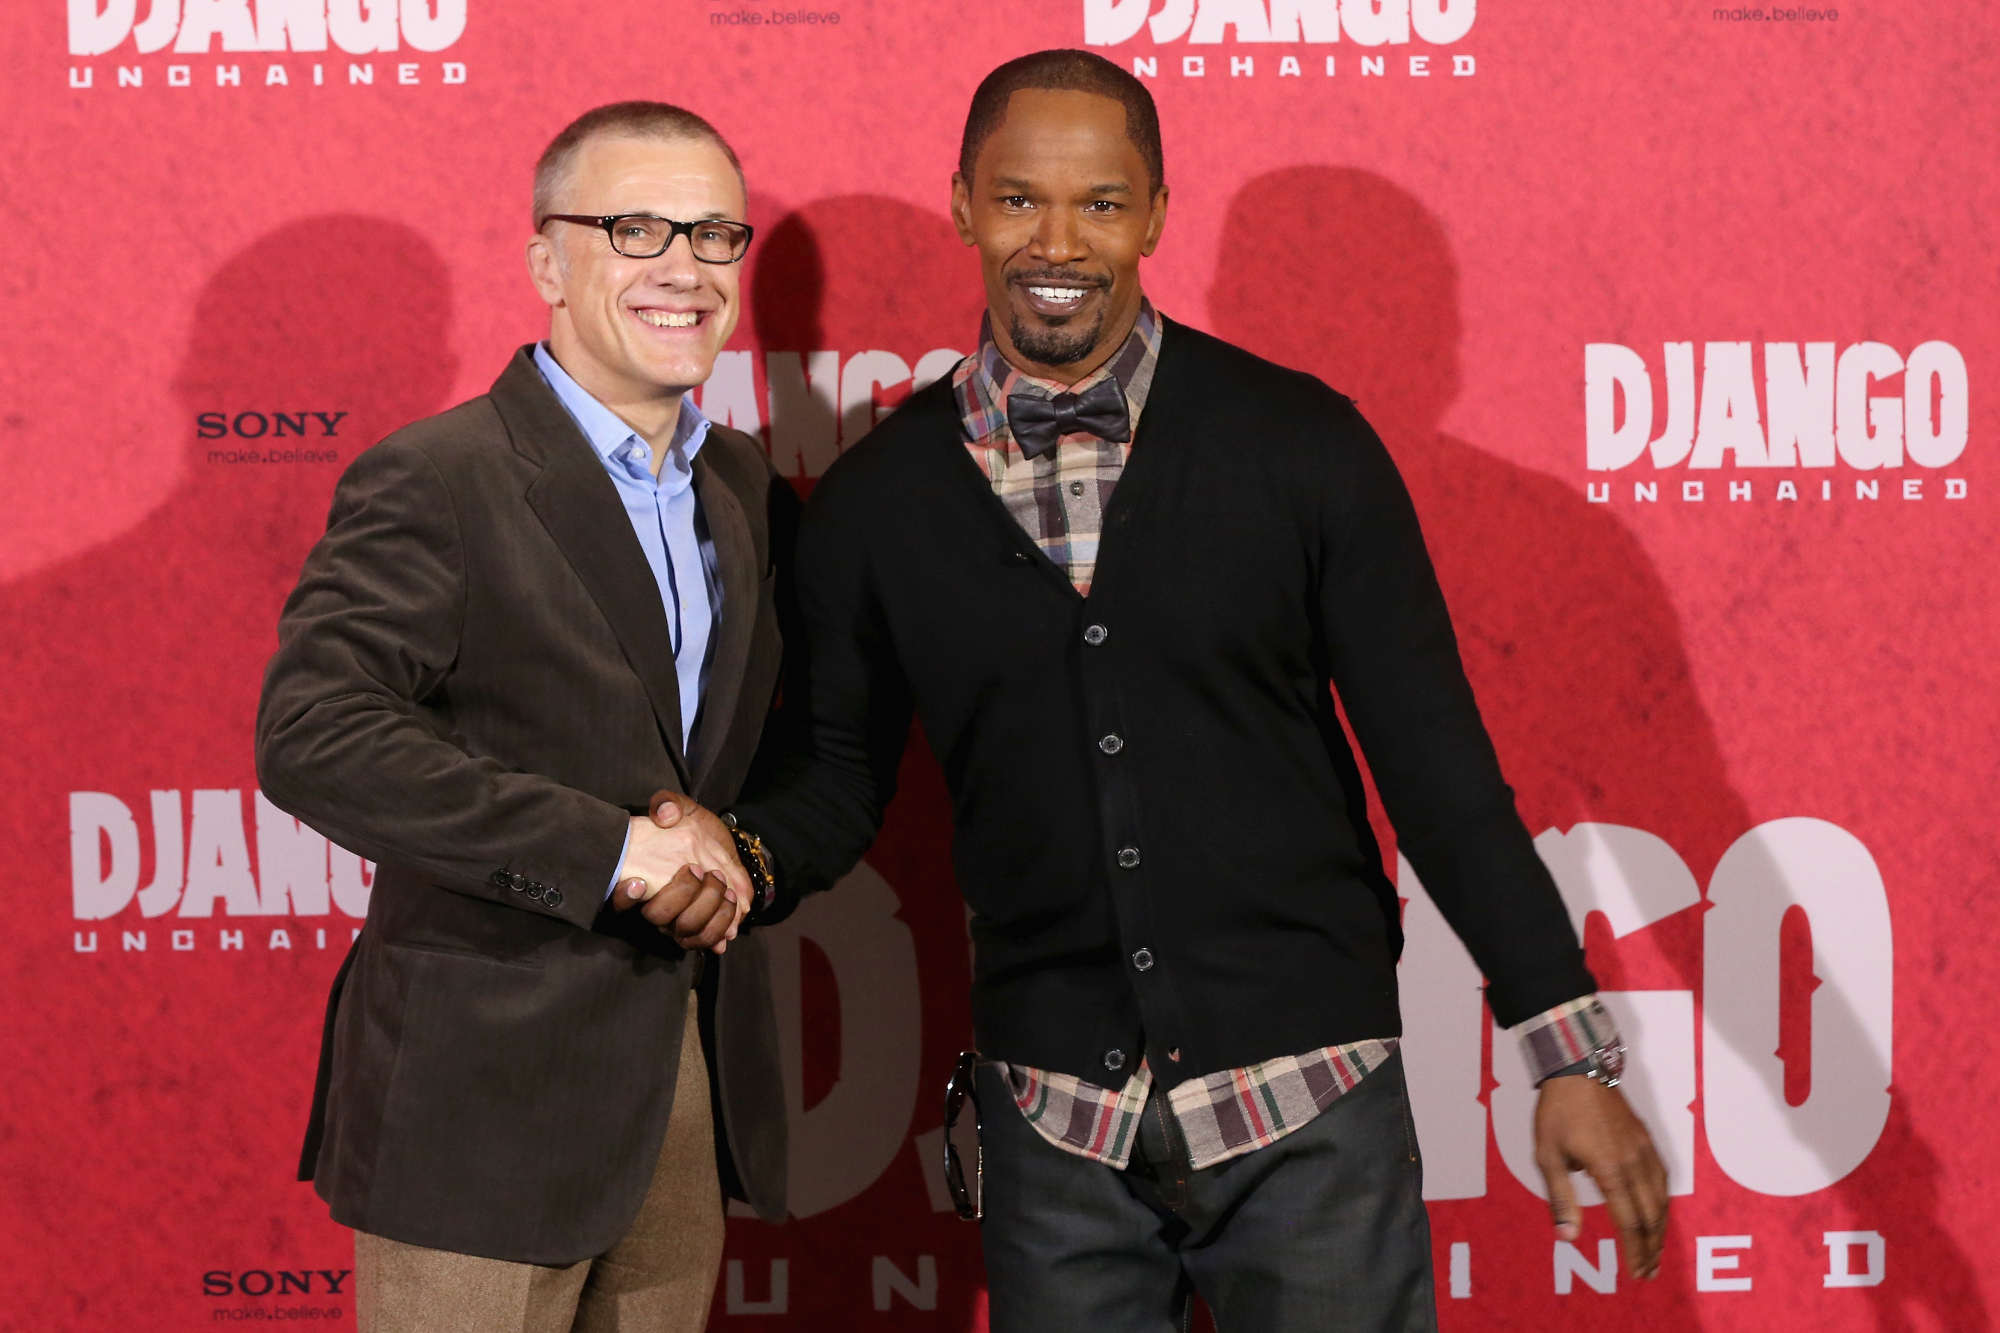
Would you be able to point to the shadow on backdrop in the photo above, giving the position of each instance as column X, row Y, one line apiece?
column 859, row 271
column 848, row 276
column 178, row 1084
column 1568, row 633
column 840, row 278
column 307, row 346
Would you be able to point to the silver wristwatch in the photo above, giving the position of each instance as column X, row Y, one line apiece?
column 1606, row 1065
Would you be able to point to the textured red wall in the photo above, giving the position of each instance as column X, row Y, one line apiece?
column 1442, row 241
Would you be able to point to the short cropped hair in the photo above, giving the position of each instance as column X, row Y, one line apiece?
column 639, row 120
column 1064, row 71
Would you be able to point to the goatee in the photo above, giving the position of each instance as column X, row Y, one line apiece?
column 1062, row 346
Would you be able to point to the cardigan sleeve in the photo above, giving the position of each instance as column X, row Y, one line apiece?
column 1396, row 668
column 827, row 769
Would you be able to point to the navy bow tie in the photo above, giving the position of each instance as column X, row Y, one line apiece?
column 1037, row 422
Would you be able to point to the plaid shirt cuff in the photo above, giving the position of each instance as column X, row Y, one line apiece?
column 1565, row 1035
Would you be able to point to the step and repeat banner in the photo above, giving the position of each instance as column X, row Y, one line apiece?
column 1679, row 318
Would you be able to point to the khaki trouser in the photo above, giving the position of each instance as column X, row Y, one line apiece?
column 659, row 1278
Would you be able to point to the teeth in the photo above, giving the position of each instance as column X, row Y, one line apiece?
column 1061, row 295
column 671, row 319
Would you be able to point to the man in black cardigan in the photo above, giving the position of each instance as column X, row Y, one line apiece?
column 1113, row 563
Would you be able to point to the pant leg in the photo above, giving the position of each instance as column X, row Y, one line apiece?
column 403, row 1288
column 1068, row 1246
column 660, row 1277
column 1323, row 1231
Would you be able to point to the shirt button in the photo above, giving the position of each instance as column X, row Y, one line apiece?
column 1114, row 1060
column 1076, row 488
column 1095, row 635
column 1111, row 744
column 1143, row 960
column 1128, row 858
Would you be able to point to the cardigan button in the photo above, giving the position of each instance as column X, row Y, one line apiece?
column 1111, row 744
column 1128, row 858
column 1095, row 635
column 1114, row 1060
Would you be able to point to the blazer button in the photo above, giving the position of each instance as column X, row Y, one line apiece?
column 1095, row 635
column 1128, row 858
column 1143, row 960
column 517, row 881
column 534, row 890
column 498, row 879
column 1111, row 744
column 1114, row 1060
column 552, row 897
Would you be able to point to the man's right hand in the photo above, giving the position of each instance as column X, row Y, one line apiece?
column 656, row 857
column 696, row 907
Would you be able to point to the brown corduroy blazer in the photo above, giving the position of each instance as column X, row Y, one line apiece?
column 474, row 686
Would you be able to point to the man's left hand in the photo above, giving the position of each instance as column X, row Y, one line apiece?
column 1581, row 1125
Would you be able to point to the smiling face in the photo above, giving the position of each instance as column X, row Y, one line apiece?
column 1062, row 209
column 638, row 333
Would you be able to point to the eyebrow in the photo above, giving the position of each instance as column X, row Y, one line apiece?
column 1016, row 183
column 713, row 215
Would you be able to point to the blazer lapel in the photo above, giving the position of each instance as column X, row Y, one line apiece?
column 736, row 565
column 578, row 505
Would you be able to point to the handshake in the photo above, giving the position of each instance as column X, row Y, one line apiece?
column 682, row 872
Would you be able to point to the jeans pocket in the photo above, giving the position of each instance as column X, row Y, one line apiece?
column 1409, row 1119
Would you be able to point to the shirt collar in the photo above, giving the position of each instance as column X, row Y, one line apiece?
column 617, row 443
column 983, row 380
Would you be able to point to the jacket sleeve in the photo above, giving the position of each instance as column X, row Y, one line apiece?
column 370, row 632
column 826, row 769
column 1396, row 668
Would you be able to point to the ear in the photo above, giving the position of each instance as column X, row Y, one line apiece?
column 1157, row 223
column 961, row 207
column 545, row 268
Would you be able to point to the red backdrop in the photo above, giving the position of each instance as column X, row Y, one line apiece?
column 1629, row 288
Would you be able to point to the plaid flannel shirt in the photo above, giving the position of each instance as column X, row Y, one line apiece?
column 1059, row 500
column 1227, row 1114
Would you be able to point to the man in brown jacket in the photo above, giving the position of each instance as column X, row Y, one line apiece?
column 527, row 615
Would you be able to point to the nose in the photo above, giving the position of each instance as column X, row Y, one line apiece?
column 1058, row 238
column 676, row 266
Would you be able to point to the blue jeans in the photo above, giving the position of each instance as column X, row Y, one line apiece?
column 1323, row 1230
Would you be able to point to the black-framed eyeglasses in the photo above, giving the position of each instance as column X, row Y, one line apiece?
column 643, row 236
column 965, row 1194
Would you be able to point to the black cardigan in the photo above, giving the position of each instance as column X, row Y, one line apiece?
column 1259, row 544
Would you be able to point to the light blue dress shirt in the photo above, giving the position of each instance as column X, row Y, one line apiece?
column 666, row 517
